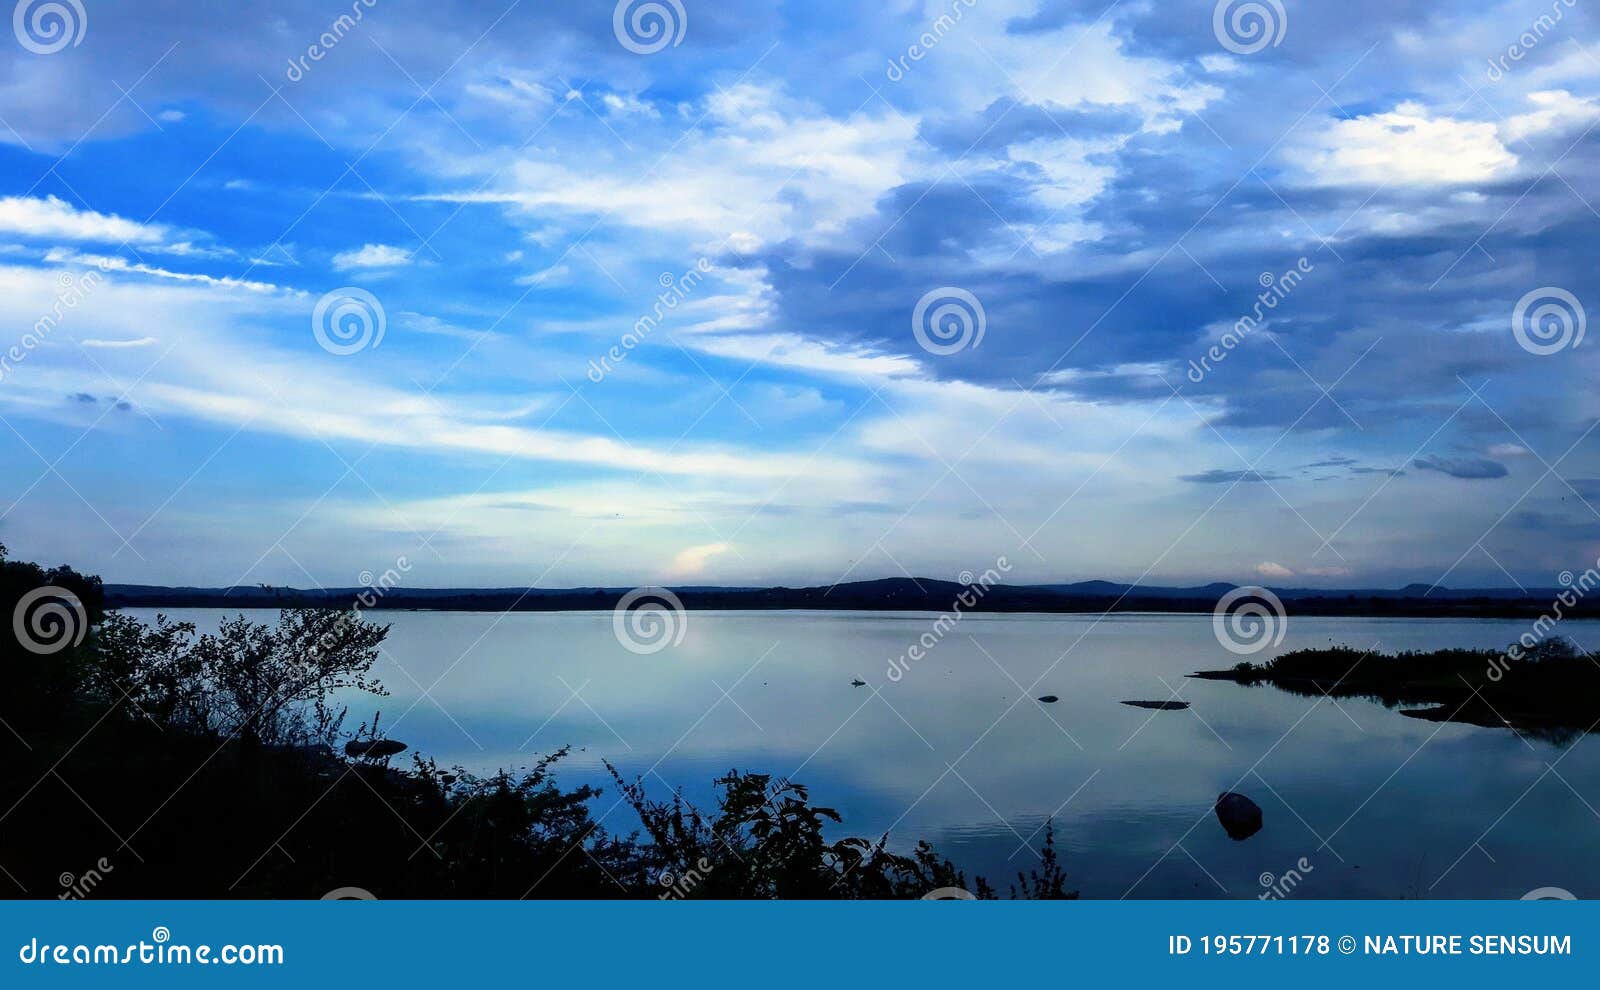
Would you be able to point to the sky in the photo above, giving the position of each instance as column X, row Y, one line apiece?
column 519, row 293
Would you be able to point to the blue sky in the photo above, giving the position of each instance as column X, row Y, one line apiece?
column 507, row 189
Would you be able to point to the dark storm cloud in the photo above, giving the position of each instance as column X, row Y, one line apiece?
column 1469, row 468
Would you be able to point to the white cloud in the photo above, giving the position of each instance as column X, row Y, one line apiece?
column 422, row 323
column 1554, row 111
column 752, row 142
column 625, row 104
column 53, row 218
column 516, row 90
column 113, row 263
column 1276, row 572
column 372, row 256
column 1405, row 146
column 231, row 378
column 692, row 560
column 553, row 276
column 803, row 354
column 112, row 345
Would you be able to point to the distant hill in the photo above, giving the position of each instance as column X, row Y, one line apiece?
column 887, row 594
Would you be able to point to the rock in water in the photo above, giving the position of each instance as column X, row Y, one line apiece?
column 1240, row 816
column 1160, row 706
column 377, row 748
column 858, row 682
column 1048, row 699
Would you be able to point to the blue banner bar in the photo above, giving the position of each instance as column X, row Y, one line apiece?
column 813, row 945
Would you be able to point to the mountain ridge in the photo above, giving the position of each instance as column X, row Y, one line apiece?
column 883, row 594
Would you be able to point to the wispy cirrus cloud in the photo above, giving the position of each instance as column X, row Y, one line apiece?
column 371, row 256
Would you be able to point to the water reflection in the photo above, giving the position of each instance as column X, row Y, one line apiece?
column 958, row 750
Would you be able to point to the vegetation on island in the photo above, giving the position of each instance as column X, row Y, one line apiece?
column 1545, row 688
column 153, row 761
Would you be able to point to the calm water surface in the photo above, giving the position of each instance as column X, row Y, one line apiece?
column 958, row 753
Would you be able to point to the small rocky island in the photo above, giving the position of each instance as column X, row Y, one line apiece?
column 1550, row 689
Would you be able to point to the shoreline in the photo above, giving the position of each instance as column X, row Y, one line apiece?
column 904, row 597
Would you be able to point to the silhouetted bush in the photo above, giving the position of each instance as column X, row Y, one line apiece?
column 177, row 765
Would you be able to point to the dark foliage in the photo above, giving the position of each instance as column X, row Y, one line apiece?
column 1549, row 689
column 163, row 764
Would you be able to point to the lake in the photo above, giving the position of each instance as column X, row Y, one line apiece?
column 1358, row 800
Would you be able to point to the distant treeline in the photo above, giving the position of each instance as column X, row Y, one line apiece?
column 900, row 594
